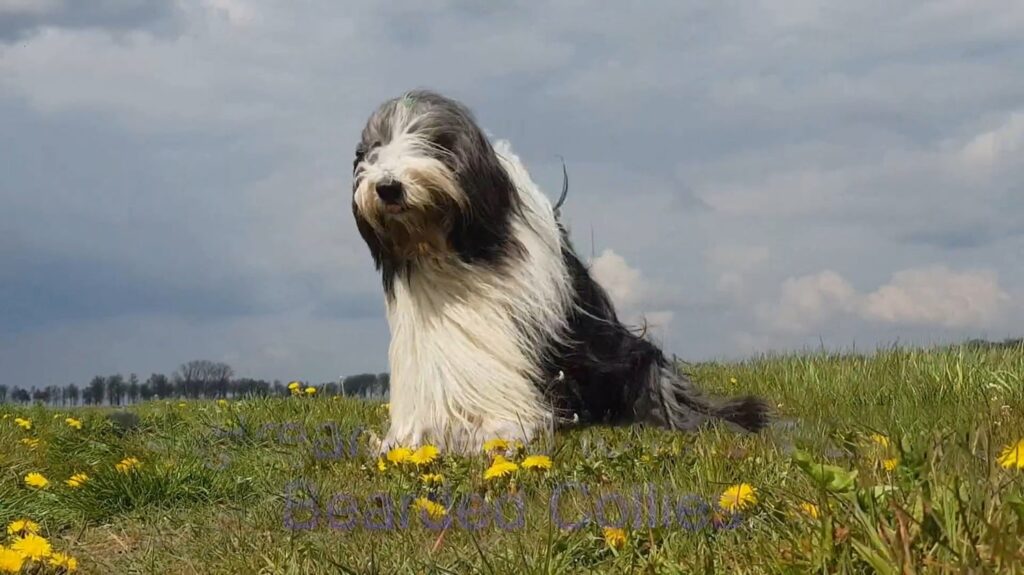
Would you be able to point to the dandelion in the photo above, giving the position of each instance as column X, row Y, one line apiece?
column 614, row 537
column 430, row 478
column 537, row 462
column 127, row 464
column 67, row 562
column 182, row 404
column 399, row 455
column 25, row 424
column 738, row 497
column 76, row 480
column 10, row 560
column 424, row 455
column 732, row 380
column 32, row 547
column 433, row 509
column 500, row 468
column 222, row 402
column 22, row 526
column 73, row 423
column 295, row 388
column 495, row 445
column 1013, row 456
column 31, row 442
column 880, row 439
column 36, row 480
column 381, row 465
column 810, row 509
column 310, row 390
column 890, row 464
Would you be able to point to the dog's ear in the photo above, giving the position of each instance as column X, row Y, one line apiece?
column 482, row 233
column 382, row 259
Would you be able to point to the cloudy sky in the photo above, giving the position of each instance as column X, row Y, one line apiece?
column 755, row 176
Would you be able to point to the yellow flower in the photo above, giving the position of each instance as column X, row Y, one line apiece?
column 890, row 464
column 36, row 480
column 429, row 478
column 732, row 380
column 810, row 509
column 10, row 560
column 738, row 497
column 76, row 480
column 127, row 464
column 424, row 455
column 31, row 442
column 495, row 445
column 880, row 439
column 182, row 404
column 1013, row 455
column 20, row 526
column 222, row 402
column 310, row 390
column 614, row 537
column 25, row 424
column 294, row 385
column 380, row 465
column 72, row 422
column 433, row 509
column 500, row 468
column 32, row 547
column 537, row 462
column 386, row 407
column 69, row 563
column 399, row 455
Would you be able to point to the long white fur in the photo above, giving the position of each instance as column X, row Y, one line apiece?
column 466, row 342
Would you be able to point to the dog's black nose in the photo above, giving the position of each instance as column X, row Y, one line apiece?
column 390, row 191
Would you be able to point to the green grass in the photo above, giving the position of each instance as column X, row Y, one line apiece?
column 219, row 484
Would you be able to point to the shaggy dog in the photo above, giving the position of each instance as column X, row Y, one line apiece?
column 498, row 329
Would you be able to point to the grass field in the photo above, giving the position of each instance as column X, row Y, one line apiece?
column 888, row 463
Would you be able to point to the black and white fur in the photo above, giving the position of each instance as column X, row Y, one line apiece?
column 497, row 328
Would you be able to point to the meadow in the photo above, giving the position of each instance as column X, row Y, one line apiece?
column 900, row 461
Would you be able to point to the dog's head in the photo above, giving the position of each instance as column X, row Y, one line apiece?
column 427, row 180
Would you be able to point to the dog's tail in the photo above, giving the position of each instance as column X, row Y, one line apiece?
column 670, row 399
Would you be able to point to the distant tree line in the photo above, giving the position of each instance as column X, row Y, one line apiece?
column 1008, row 343
column 199, row 379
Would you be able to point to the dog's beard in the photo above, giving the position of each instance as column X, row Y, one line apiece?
column 429, row 208
column 416, row 232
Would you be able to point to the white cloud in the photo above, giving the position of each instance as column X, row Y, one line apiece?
column 623, row 282
column 632, row 294
column 938, row 296
column 807, row 302
column 933, row 296
column 988, row 149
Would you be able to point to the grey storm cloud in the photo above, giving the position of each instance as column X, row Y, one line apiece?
column 752, row 177
column 20, row 19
